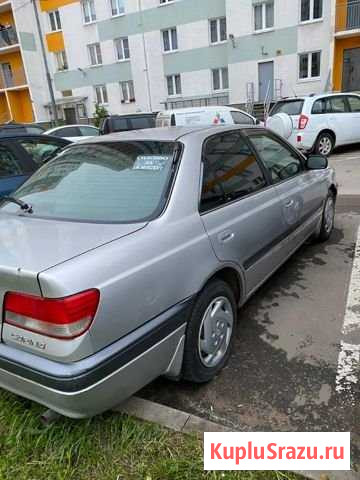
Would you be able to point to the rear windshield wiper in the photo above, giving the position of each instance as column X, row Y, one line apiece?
column 24, row 206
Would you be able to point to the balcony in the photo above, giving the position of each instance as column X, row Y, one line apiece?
column 8, row 39
column 348, row 18
column 11, row 78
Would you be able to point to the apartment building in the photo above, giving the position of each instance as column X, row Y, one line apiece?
column 147, row 55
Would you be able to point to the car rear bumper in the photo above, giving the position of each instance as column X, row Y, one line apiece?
column 105, row 379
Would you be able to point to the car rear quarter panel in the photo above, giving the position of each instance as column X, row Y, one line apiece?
column 144, row 274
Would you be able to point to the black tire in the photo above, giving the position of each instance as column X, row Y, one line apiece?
column 193, row 368
column 326, row 229
column 324, row 140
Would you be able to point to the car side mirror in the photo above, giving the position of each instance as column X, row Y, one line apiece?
column 317, row 162
column 257, row 122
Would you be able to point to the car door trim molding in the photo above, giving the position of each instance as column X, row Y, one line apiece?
column 308, row 218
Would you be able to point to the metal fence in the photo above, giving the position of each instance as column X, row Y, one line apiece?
column 197, row 102
column 348, row 15
column 10, row 77
column 8, row 37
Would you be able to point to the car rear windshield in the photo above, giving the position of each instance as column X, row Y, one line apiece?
column 122, row 182
column 291, row 107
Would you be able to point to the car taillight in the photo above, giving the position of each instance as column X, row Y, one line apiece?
column 303, row 121
column 63, row 318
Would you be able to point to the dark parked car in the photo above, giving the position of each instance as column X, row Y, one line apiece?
column 20, row 156
column 124, row 123
column 12, row 129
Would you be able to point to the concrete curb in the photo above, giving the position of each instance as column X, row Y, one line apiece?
column 168, row 417
column 186, row 423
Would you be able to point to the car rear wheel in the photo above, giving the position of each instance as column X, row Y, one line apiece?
column 328, row 219
column 210, row 332
column 325, row 144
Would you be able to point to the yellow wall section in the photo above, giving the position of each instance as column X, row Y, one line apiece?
column 48, row 5
column 340, row 46
column 15, row 60
column 55, row 42
column 341, row 15
column 6, row 18
column 4, row 109
column 20, row 105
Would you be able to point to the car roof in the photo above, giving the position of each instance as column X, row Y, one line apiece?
column 9, row 136
column 200, row 109
column 20, row 125
column 135, row 114
column 164, row 134
column 71, row 126
column 316, row 97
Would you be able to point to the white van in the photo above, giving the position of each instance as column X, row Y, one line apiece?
column 204, row 116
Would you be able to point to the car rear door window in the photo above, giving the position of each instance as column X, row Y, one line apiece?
column 119, row 124
column 88, row 131
column 40, row 150
column 354, row 103
column 281, row 162
column 230, row 171
column 291, row 107
column 34, row 130
column 138, row 123
column 67, row 132
column 339, row 104
column 9, row 165
column 241, row 119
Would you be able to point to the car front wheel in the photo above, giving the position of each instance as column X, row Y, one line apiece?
column 210, row 332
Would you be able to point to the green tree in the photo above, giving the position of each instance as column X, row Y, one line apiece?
column 99, row 114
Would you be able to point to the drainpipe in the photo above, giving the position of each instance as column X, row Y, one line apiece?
column 43, row 52
column 145, row 56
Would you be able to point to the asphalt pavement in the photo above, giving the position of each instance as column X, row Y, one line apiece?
column 296, row 359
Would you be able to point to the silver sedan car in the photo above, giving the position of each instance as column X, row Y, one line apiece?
column 127, row 257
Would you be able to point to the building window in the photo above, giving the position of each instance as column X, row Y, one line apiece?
column 263, row 16
column 81, row 109
column 117, row 7
column 173, row 85
column 170, row 40
column 122, row 48
column 127, row 91
column 88, row 8
column 309, row 65
column 311, row 10
column 218, row 30
column 55, row 21
column 220, row 79
column 95, row 54
column 61, row 60
column 101, row 96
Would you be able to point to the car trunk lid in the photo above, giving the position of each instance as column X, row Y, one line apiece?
column 29, row 246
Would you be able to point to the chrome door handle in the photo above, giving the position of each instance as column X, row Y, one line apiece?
column 226, row 236
column 289, row 204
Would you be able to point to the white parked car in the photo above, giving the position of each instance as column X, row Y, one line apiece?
column 74, row 133
column 318, row 123
column 217, row 115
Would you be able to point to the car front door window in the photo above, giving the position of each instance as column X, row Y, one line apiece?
column 281, row 162
column 230, row 171
column 40, row 151
column 9, row 165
